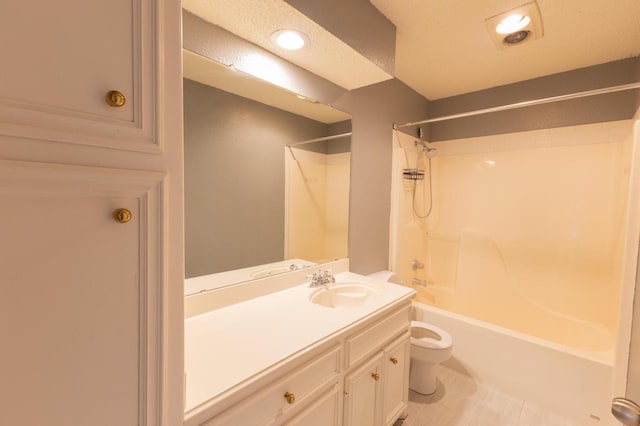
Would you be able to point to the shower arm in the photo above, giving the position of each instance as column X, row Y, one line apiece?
column 524, row 104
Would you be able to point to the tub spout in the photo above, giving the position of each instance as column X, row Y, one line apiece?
column 418, row 281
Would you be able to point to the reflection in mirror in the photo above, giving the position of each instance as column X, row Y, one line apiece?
column 317, row 199
column 256, row 203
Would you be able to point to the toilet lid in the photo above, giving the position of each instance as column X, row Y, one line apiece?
column 429, row 336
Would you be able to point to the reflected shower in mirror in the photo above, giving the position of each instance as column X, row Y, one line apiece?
column 317, row 198
column 255, row 206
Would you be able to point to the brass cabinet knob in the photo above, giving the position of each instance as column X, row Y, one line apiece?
column 115, row 98
column 393, row 360
column 375, row 376
column 291, row 398
column 122, row 215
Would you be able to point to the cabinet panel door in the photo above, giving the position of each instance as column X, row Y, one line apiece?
column 78, row 315
column 64, row 57
column 363, row 394
column 324, row 412
column 396, row 376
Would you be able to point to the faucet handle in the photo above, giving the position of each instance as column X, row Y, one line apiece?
column 328, row 277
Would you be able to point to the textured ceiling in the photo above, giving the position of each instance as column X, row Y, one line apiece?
column 443, row 47
column 325, row 55
column 211, row 73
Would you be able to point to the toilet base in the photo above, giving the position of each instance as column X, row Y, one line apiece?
column 422, row 377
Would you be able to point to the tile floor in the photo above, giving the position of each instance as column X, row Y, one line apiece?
column 461, row 401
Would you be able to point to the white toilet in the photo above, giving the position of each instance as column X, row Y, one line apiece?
column 430, row 345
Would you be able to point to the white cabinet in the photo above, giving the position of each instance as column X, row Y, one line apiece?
column 65, row 56
column 396, row 379
column 325, row 411
column 300, row 390
column 363, row 394
column 78, row 317
column 362, row 380
column 91, row 317
column 376, row 390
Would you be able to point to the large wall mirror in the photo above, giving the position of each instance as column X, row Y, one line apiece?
column 266, row 177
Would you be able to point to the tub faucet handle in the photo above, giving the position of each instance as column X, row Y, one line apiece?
column 416, row 265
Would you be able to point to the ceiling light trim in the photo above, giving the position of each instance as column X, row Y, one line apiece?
column 522, row 24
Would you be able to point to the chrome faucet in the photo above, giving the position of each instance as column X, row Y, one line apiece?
column 321, row 278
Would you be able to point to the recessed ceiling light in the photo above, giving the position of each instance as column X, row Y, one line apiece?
column 289, row 39
column 516, row 37
column 512, row 23
column 515, row 26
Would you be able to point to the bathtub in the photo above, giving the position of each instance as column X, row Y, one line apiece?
column 569, row 381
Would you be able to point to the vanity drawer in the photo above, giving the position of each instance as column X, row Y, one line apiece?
column 290, row 393
column 361, row 344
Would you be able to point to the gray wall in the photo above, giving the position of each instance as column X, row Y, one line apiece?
column 357, row 23
column 610, row 107
column 374, row 111
column 234, row 178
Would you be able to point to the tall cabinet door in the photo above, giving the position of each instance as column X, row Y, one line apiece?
column 91, row 306
column 79, row 320
column 396, row 378
column 363, row 394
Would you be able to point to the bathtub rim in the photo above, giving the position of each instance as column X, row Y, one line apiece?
column 603, row 357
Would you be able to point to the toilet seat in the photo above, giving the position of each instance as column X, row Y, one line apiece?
column 432, row 337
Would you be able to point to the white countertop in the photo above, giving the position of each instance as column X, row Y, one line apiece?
column 229, row 345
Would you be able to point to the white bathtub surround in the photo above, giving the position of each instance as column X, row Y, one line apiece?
column 573, row 383
column 254, row 341
column 526, row 232
column 625, row 365
column 533, row 235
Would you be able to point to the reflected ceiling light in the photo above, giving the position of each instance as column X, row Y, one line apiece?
column 512, row 24
column 304, row 98
column 289, row 39
column 265, row 68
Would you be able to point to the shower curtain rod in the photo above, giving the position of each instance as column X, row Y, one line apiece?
column 523, row 104
column 326, row 138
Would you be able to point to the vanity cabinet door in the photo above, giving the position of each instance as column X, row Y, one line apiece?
column 323, row 412
column 293, row 393
column 79, row 322
column 396, row 379
column 61, row 59
column 363, row 394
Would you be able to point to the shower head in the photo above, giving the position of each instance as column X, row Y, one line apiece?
column 431, row 152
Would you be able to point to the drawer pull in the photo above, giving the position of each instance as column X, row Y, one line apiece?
column 393, row 360
column 375, row 376
column 291, row 398
column 115, row 98
column 122, row 215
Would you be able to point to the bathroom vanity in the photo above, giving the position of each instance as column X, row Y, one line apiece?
column 291, row 357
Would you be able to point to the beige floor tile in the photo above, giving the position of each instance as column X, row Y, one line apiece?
column 497, row 409
column 534, row 416
column 461, row 401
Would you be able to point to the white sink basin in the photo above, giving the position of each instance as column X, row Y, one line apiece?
column 343, row 295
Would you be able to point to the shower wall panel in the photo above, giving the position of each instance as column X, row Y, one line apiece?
column 526, row 229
